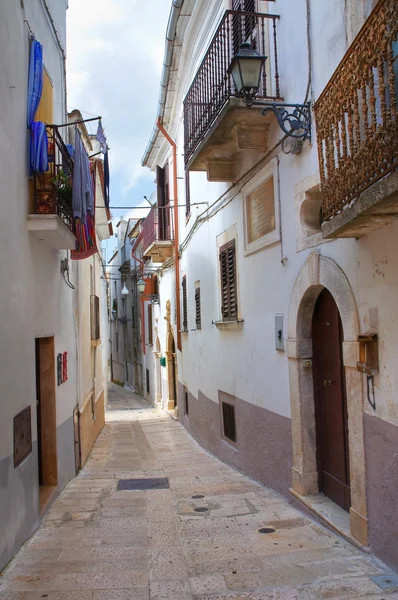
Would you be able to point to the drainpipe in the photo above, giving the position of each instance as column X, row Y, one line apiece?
column 142, row 306
column 176, row 253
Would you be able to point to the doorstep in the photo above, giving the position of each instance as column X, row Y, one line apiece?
column 330, row 513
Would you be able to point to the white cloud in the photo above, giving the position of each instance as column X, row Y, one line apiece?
column 115, row 52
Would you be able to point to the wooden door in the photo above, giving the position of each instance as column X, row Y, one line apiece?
column 46, row 412
column 330, row 402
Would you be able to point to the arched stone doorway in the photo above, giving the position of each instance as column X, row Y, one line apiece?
column 317, row 274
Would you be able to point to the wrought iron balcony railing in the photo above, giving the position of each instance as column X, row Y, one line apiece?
column 158, row 226
column 213, row 86
column 53, row 189
column 356, row 115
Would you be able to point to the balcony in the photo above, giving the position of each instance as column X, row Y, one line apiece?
column 157, row 234
column 51, row 218
column 218, row 126
column 357, row 130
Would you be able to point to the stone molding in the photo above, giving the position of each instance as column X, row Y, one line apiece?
column 317, row 273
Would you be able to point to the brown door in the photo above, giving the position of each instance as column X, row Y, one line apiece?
column 46, row 411
column 330, row 402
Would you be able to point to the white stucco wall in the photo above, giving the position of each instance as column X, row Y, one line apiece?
column 38, row 302
column 244, row 362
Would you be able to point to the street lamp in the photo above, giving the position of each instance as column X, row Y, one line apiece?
column 141, row 286
column 246, row 69
column 124, row 291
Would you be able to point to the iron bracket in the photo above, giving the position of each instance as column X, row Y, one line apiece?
column 293, row 119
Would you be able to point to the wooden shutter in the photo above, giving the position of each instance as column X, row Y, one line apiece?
column 160, row 185
column 184, row 304
column 229, row 303
column 187, row 195
column 150, row 330
column 197, row 309
column 166, row 172
column 228, row 415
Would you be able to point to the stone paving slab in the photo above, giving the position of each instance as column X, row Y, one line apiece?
column 96, row 543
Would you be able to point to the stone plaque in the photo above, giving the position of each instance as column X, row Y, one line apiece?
column 260, row 211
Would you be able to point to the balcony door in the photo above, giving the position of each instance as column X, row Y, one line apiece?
column 330, row 402
column 163, row 198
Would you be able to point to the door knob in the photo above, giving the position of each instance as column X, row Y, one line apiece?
column 327, row 382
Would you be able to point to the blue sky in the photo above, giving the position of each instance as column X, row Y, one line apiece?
column 114, row 62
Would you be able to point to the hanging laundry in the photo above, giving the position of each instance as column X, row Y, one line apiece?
column 38, row 142
column 38, row 148
column 86, row 239
column 35, row 79
column 106, row 179
column 101, row 137
column 82, row 186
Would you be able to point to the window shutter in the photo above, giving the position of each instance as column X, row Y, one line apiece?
column 184, row 304
column 187, row 195
column 229, row 303
column 160, row 185
column 166, row 172
column 150, row 330
column 197, row 309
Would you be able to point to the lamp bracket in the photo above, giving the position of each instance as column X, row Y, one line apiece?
column 293, row 119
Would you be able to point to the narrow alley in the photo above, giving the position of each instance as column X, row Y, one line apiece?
column 202, row 531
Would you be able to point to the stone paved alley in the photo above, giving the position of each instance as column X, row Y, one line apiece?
column 97, row 543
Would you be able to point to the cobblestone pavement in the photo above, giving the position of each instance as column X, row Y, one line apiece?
column 97, row 543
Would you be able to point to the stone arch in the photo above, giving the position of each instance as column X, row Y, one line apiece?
column 317, row 273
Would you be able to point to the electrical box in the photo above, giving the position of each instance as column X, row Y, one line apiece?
column 368, row 354
column 279, row 333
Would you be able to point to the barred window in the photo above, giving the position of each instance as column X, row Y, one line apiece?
column 228, row 415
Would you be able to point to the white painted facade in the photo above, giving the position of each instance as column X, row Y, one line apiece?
column 244, row 362
column 36, row 301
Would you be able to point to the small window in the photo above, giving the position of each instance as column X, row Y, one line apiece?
column 197, row 307
column 150, row 328
column 94, row 318
column 228, row 415
column 184, row 304
column 186, row 401
column 229, row 302
column 148, row 387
